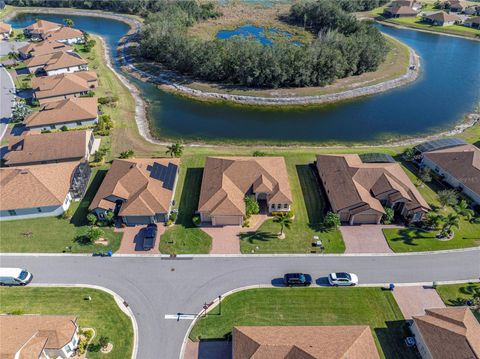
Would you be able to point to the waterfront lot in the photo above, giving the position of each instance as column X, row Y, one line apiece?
column 311, row 306
column 101, row 313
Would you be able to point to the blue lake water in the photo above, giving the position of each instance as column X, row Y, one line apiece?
column 265, row 36
column 448, row 88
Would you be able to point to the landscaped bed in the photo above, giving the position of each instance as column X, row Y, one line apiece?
column 100, row 313
column 311, row 306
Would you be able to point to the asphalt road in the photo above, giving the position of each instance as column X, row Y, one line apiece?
column 154, row 287
column 7, row 95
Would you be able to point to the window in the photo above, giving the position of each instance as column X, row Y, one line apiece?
column 52, row 127
column 279, row 206
column 12, row 212
column 79, row 123
column 273, row 206
column 285, row 206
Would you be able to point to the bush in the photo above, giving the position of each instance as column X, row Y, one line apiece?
column 109, row 216
column 92, row 219
column 20, row 110
column 127, row 154
column 94, row 234
column 107, row 100
column 332, row 220
column 196, row 220
column 251, row 206
column 68, row 213
column 173, row 216
column 104, row 125
column 103, row 341
column 64, row 128
column 259, row 153
column 448, row 197
column 45, row 131
column 388, row 216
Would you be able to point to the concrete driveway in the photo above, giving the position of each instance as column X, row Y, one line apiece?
column 10, row 46
column 7, row 95
column 413, row 300
column 132, row 240
column 365, row 238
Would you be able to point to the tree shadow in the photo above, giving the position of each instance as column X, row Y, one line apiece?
column 470, row 289
column 79, row 218
column 392, row 337
column 190, row 196
column 408, row 235
column 252, row 236
column 82, row 240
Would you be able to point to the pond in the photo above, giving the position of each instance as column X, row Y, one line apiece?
column 265, row 36
column 447, row 89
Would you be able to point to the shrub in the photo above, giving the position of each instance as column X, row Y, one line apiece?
column 331, row 220
column 68, row 213
column 196, row 220
column 20, row 110
column 45, row 131
column 169, row 222
column 64, row 128
column 103, row 341
column 259, row 153
column 92, row 219
column 387, row 218
column 109, row 217
column 127, row 154
column 251, row 206
column 93, row 234
column 104, row 125
column 173, row 216
column 448, row 197
column 107, row 100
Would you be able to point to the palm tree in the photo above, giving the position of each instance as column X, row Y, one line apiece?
column 175, row 150
column 285, row 220
column 68, row 22
column 451, row 220
column 463, row 210
column 447, row 197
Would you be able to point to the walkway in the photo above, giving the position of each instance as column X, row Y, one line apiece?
column 366, row 238
column 414, row 300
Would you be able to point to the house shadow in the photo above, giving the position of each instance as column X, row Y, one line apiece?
column 79, row 218
column 215, row 349
column 190, row 196
column 392, row 339
column 253, row 236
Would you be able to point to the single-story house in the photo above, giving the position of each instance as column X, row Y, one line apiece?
column 66, row 35
column 139, row 191
column 73, row 112
column 458, row 166
column 228, row 180
column 473, row 22
column 38, row 30
column 399, row 11
column 38, row 336
column 43, row 48
column 36, row 148
column 41, row 190
column 56, row 63
column 304, row 342
column 60, row 87
column 441, row 18
column 359, row 191
column 5, row 30
column 444, row 333
column 458, row 6
column 415, row 5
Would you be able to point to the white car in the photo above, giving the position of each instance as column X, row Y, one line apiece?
column 342, row 278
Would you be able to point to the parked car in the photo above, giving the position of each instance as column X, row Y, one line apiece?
column 15, row 276
column 297, row 279
column 150, row 237
column 342, row 278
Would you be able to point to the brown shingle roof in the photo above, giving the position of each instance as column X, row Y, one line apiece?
column 130, row 180
column 401, row 10
column 43, row 26
column 41, row 185
column 450, row 332
column 473, row 20
column 70, row 110
column 64, row 84
column 462, row 162
column 442, row 17
column 64, row 33
column 43, row 48
column 226, row 181
column 60, row 146
column 5, row 28
column 56, row 60
column 350, row 182
column 302, row 342
column 29, row 334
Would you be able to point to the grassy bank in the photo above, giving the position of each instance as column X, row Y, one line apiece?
column 308, row 307
column 101, row 313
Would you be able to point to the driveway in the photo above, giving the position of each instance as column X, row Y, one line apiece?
column 413, row 300
column 132, row 240
column 365, row 238
column 10, row 46
column 226, row 239
column 7, row 95
column 155, row 287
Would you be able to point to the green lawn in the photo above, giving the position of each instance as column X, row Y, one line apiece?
column 52, row 234
column 311, row 306
column 457, row 294
column 415, row 240
column 101, row 313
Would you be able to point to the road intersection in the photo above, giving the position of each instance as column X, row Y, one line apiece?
column 157, row 287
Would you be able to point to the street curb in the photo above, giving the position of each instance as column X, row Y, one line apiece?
column 215, row 302
column 15, row 89
column 118, row 299
column 270, row 255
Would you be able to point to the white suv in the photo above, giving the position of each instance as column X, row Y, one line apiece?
column 342, row 278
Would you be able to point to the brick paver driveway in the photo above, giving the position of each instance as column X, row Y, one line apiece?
column 132, row 240
column 365, row 238
column 413, row 300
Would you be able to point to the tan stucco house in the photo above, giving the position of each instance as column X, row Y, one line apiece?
column 38, row 30
column 43, row 48
column 56, row 63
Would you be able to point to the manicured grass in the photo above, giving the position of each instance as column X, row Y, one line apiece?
column 22, row 82
column 311, row 306
column 457, row 294
column 101, row 313
column 415, row 240
column 52, row 234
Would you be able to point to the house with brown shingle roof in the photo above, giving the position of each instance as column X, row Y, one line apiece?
column 228, row 180
column 5, row 30
column 36, row 148
column 473, row 22
column 38, row 30
column 46, row 190
column 138, row 191
column 441, row 18
column 399, row 11
column 459, row 166
column 446, row 333
column 303, row 342
column 56, row 63
column 43, row 48
column 38, row 336
column 72, row 113
column 359, row 191
column 60, row 87
column 66, row 35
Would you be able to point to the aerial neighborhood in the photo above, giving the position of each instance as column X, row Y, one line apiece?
column 227, row 180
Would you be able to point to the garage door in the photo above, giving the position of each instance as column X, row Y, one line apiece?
column 365, row 219
column 226, row 220
column 137, row 220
